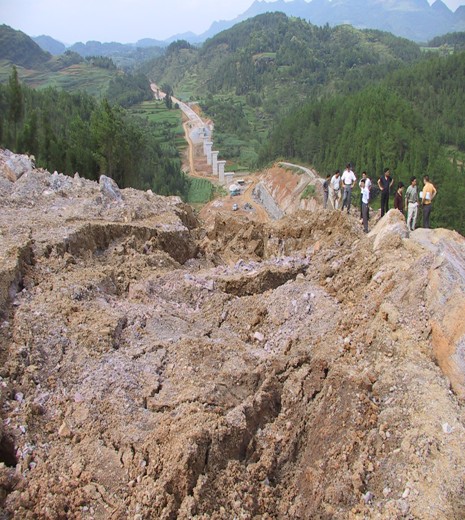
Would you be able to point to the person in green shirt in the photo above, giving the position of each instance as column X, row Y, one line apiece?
column 411, row 203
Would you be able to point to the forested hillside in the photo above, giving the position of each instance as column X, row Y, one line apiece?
column 274, row 55
column 75, row 132
column 410, row 123
column 18, row 48
column 74, row 117
column 455, row 41
column 96, row 74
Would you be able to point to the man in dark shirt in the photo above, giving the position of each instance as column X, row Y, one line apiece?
column 384, row 184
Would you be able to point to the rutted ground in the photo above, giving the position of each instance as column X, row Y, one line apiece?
column 151, row 368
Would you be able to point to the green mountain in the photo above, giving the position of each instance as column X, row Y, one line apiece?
column 411, row 122
column 248, row 76
column 271, row 53
column 17, row 48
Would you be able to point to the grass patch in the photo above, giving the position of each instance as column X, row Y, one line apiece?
column 200, row 191
column 186, row 90
column 79, row 77
column 293, row 169
column 157, row 112
column 309, row 192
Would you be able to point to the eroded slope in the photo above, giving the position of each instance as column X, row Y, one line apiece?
column 153, row 369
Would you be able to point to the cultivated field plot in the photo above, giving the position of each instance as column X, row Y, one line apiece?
column 78, row 77
column 165, row 121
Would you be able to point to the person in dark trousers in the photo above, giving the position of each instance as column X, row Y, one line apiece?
column 367, row 185
column 427, row 196
column 365, row 198
column 326, row 191
column 399, row 197
column 384, row 184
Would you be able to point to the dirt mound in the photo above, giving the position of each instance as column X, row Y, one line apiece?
column 151, row 368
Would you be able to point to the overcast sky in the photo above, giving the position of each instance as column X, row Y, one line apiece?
column 125, row 21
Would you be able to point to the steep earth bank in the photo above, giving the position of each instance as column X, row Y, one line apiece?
column 154, row 368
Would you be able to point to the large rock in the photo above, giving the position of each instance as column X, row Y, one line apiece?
column 446, row 301
column 14, row 166
column 109, row 188
column 389, row 230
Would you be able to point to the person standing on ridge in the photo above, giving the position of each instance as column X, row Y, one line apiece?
column 411, row 201
column 348, row 181
column 365, row 198
column 384, row 184
column 399, row 197
column 367, row 185
column 326, row 191
column 335, row 189
column 427, row 196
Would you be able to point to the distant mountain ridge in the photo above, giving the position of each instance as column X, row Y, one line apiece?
column 412, row 19
column 49, row 44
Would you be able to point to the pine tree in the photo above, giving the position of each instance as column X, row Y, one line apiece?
column 16, row 106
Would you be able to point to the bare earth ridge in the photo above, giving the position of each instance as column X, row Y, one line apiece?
column 153, row 367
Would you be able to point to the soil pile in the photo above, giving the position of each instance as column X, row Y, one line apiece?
column 153, row 368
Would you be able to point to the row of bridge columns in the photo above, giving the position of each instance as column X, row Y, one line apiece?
column 212, row 159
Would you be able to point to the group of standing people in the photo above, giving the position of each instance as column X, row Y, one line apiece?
column 339, row 187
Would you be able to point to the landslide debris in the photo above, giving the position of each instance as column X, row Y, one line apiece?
column 150, row 368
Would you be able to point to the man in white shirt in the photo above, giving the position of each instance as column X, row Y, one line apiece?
column 335, row 185
column 348, row 182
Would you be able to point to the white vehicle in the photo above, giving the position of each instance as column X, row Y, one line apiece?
column 235, row 207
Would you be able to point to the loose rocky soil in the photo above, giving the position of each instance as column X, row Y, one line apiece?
column 155, row 368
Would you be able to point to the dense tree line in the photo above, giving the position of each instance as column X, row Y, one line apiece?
column 455, row 40
column 435, row 87
column 75, row 132
column 128, row 89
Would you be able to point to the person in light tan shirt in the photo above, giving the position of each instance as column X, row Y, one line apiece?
column 427, row 196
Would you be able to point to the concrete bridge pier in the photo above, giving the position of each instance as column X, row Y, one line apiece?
column 221, row 165
column 215, row 162
column 206, row 139
column 208, row 152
